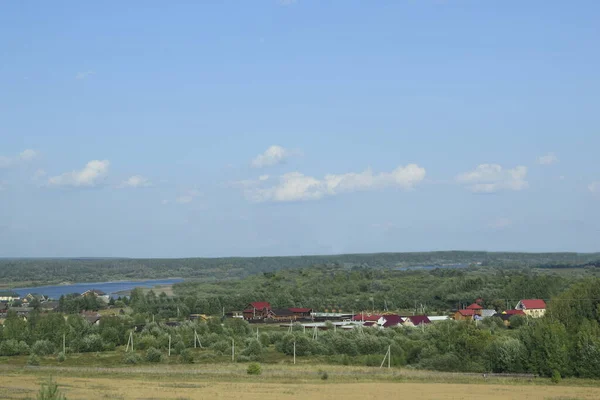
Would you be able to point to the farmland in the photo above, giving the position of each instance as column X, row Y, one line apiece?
column 230, row 381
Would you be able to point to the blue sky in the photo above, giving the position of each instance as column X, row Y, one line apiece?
column 217, row 128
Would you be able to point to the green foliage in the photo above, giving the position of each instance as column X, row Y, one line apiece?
column 517, row 321
column 33, row 360
column 12, row 347
column 42, row 348
column 253, row 349
column 254, row 369
column 186, row 357
column 61, row 357
column 132, row 358
column 324, row 375
column 49, row 391
column 153, row 355
column 555, row 377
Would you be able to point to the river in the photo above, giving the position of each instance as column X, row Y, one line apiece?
column 110, row 288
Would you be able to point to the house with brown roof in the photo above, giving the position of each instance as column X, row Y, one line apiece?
column 302, row 313
column 534, row 308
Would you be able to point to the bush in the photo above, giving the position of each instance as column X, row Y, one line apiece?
column 61, row 357
column 186, row 357
column 555, row 376
column 49, row 391
column 132, row 358
column 33, row 360
column 153, row 355
column 42, row 348
column 92, row 343
column 253, row 350
column 324, row 375
column 13, row 348
column 254, row 369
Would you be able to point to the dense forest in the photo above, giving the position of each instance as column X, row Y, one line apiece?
column 58, row 270
column 327, row 287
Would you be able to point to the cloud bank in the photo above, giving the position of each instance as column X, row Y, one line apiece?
column 491, row 178
column 274, row 155
column 92, row 174
column 295, row 186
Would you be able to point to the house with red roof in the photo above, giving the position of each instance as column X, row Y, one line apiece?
column 534, row 308
column 416, row 320
column 257, row 310
column 464, row 314
column 390, row 321
column 366, row 317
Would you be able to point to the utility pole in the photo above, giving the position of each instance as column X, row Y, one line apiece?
column 169, row 345
column 294, row 352
column 232, row 350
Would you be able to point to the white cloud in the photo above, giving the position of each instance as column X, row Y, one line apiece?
column 272, row 156
column 594, row 187
column 263, row 177
column 93, row 172
column 295, row 186
column 500, row 223
column 84, row 75
column 23, row 157
column 490, row 178
column 188, row 197
column 135, row 181
column 39, row 174
column 547, row 159
column 28, row 155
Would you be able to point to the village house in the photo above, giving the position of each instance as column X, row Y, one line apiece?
column 281, row 314
column 390, row 321
column 416, row 320
column 91, row 316
column 462, row 315
column 9, row 295
column 506, row 315
column 534, row 308
column 96, row 293
column 302, row 313
column 31, row 296
column 257, row 310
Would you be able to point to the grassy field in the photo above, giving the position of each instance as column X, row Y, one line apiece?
column 279, row 381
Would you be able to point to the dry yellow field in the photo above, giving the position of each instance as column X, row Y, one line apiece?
column 23, row 386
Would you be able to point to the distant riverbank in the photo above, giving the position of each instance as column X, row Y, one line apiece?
column 110, row 288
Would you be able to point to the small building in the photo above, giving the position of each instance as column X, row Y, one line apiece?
column 49, row 306
column 96, row 293
column 31, row 296
column 302, row 313
column 466, row 314
column 505, row 316
column 91, row 316
column 366, row 317
column 281, row 314
column 390, row 321
column 534, row 308
column 476, row 308
column 9, row 295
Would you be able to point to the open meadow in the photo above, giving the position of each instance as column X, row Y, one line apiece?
column 280, row 382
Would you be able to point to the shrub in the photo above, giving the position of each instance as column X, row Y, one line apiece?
column 555, row 376
column 253, row 350
column 153, row 355
column 132, row 358
column 61, row 357
column 92, row 343
column 324, row 375
column 254, row 369
column 13, row 348
column 49, row 391
column 42, row 348
column 186, row 357
column 33, row 360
